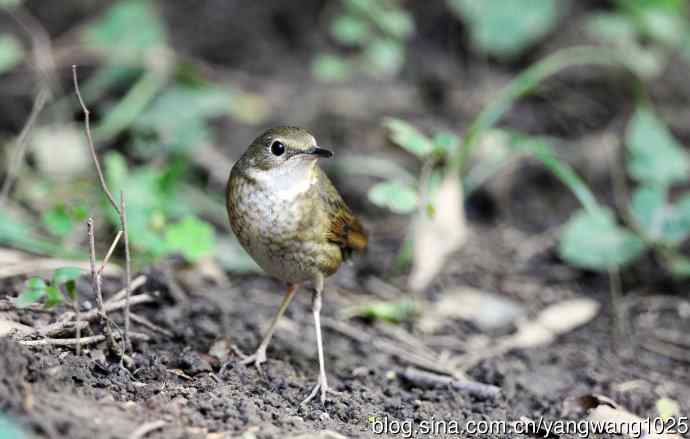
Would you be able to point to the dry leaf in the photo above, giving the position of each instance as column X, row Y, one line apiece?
column 439, row 235
column 605, row 411
column 487, row 310
column 567, row 315
column 667, row 408
column 9, row 327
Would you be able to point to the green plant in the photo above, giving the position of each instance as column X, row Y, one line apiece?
column 36, row 288
column 444, row 162
column 11, row 52
column 378, row 29
column 157, row 220
column 656, row 162
column 649, row 31
column 505, row 29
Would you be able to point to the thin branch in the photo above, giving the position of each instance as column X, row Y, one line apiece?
column 110, row 252
column 143, row 321
column 147, row 428
column 109, row 307
column 136, row 283
column 121, row 210
column 83, row 341
column 20, row 149
column 425, row 379
column 77, row 324
column 89, row 139
column 96, row 285
column 128, row 266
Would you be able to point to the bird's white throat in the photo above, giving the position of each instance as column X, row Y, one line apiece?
column 288, row 180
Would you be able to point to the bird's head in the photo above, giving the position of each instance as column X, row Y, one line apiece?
column 283, row 150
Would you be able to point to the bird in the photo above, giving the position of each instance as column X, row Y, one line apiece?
column 289, row 217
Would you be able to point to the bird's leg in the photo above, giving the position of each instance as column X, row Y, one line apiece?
column 259, row 356
column 322, row 384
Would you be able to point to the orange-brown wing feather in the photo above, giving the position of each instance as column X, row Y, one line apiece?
column 344, row 229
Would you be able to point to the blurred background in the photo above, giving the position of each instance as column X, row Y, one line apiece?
column 505, row 156
column 178, row 89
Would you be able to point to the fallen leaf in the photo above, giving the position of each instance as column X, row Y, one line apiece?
column 667, row 408
column 565, row 316
column 487, row 310
column 12, row 328
column 437, row 236
column 616, row 419
column 553, row 321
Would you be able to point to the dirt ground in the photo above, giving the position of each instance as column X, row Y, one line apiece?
column 176, row 378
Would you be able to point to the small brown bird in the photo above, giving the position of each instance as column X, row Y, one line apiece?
column 290, row 218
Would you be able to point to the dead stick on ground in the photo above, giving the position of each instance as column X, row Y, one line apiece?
column 128, row 267
column 143, row 321
column 65, row 319
column 82, row 341
column 119, row 209
column 426, row 379
column 136, row 283
column 147, row 428
column 96, row 285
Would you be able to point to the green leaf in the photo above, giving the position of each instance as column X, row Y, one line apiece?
column 192, row 237
column 655, row 157
column 408, row 137
column 384, row 57
column 611, row 27
column 58, row 221
column 128, row 31
column 11, row 52
column 393, row 195
column 446, row 143
column 9, row 429
column 397, row 23
column 66, row 274
column 180, row 131
column 330, row 68
column 71, row 287
column 505, row 29
column 33, row 291
column 394, row 312
column 18, row 234
column 593, row 240
column 53, row 297
column 351, row 30
column 679, row 266
column 661, row 221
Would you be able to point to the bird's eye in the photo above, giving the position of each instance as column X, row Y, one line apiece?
column 277, row 148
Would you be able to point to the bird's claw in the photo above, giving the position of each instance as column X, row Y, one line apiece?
column 322, row 385
column 257, row 358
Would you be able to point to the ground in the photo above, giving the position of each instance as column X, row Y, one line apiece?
column 511, row 252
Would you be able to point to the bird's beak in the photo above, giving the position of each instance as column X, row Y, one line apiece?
column 319, row 152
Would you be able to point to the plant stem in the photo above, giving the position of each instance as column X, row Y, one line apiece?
column 526, row 82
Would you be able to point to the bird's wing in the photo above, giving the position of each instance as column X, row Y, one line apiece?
column 344, row 229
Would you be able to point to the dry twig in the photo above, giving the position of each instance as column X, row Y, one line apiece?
column 96, row 285
column 422, row 378
column 120, row 209
column 147, row 428
column 82, row 341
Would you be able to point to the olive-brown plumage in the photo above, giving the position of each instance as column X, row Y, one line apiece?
column 289, row 217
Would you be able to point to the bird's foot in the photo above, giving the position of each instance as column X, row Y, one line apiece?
column 324, row 389
column 257, row 358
